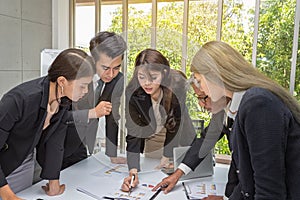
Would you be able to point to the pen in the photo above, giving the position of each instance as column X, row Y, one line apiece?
column 113, row 198
column 155, row 194
column 186, row 193
column 131, row 182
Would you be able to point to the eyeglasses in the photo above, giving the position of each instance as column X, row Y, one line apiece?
column 201, row 98
column 193, row 80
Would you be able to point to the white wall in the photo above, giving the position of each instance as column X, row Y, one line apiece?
column 60, row 25
column 25, row 30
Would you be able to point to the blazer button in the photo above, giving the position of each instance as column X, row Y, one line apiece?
column 246, row 195
column 4, row 147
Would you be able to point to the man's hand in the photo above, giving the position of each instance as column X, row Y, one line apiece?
column 168, row 183
column 118, row 160
column 103, row 108
column 54, row 188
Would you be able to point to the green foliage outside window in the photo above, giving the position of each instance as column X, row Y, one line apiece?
column 276, row 30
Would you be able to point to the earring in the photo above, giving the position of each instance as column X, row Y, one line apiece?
column 62, row 90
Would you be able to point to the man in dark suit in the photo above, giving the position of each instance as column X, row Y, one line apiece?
column 200, row 147
column 102, row 101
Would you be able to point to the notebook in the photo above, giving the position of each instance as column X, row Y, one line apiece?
column 204, row 169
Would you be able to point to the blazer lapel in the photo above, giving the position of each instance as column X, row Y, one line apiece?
column 144, row 104
column 54, row 123
column 91, row 95
column 42, row 112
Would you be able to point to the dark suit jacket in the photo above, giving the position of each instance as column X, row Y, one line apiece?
column 86, row 129
column 22, row 114
column 50, row 149
column 266, row 141
column 201, row 146
column 141, row 123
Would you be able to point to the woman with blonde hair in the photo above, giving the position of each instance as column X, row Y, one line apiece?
column 266, row 131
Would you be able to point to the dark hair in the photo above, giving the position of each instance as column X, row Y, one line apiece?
column 71, row 64
column 151, row 59
column 108, row 43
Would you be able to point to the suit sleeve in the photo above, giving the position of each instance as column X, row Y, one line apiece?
column 81, row 121
column 201, row 146
column 85, row 128
column 52, row 152
column 191, row 158
column 138, row 128
column 133, row 150
column 10, row 111
column 112, row 125
column 172, row 126
column 182, row 134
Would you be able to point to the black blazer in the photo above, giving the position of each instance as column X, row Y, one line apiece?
column 201, row 146
column 22, row 114
column 86, row 129
column 141, row 123
column 50, row 149
column 266, row 142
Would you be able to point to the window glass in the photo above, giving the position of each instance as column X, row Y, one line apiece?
column 138, row 35
column 169, row 31
column 84, row 25
column 238, row 25
column 275, row 41
column 203, row 16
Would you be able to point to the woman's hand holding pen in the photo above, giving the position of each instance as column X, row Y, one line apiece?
column 168, row 183
column 54, row 188
column 128, row 183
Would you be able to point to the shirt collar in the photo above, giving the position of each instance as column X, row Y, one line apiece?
column 96, row 77
column 234, row 104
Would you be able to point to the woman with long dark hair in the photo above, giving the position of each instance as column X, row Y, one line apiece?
column 156, row 114
column 38, row 109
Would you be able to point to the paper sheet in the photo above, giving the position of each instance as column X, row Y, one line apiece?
column 116, row 171
column 198, row 190
column 141, row 192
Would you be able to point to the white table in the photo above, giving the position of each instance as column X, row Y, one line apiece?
column 79, row 173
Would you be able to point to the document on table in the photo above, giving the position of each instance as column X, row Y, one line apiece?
column 117, row 171
column 107, row 182
column 199, row 190
column 98, row 191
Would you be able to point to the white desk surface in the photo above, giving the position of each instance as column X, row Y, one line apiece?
column 79, row 173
